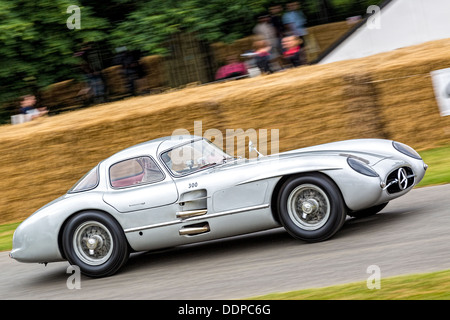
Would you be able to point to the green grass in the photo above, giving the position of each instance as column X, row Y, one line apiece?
column 438, row 161
column 6, row 234
column 428, row 286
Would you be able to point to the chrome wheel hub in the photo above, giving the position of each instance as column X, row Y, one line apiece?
column 93, row 243
column 308, row 207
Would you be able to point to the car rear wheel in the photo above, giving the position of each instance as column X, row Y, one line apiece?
column 311, row 207
column 96, row 243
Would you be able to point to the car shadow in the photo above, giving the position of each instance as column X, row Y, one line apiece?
column 355, row 227
column 211, row 249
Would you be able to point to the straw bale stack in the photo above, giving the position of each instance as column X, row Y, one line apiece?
column 154, row 71
column 222, row 50
column 324, row 35
column 115, row 81
column 61, row 94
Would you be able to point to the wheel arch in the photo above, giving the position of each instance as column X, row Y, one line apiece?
column 69, row 217
column 278, row 187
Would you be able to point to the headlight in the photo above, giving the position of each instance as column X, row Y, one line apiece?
column 361, row 167
column 406, row 150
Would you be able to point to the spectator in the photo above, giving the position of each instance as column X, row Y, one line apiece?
column 28, row 107
column 294, row 20
column 293, row 51
column 233, row 68
column 265, row 30
column 91, row 69
column 277, row 23
column 132, row 69
column 263, row 56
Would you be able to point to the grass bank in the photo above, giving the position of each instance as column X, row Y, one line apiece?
column 6, row 234
column 438, row 161
column 427, row 286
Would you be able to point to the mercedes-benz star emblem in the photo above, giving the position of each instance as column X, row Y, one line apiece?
column 402, row 179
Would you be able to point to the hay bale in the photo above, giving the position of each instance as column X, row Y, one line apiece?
column 61, row 94
column 115, row 81
column 154, row 71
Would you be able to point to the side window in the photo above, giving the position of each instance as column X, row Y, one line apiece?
column 88, row 182
column 133, row 172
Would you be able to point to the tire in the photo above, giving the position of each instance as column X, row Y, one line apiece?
column 311, row 207
column 367, row 212
column 96, row 243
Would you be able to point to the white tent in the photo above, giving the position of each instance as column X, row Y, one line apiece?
column 398, row 23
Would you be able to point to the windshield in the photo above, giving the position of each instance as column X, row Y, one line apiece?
column 192, row 157
column 88, row 182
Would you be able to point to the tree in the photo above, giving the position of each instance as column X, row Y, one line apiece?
column 37, row 48
column 37, row 45
column 153, row 22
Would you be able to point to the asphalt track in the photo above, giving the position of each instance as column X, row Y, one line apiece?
column 411, row 235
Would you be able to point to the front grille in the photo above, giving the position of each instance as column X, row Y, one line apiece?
column 400, row 180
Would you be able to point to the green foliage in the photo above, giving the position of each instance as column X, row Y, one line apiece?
column 37, row 47
column 153, row 22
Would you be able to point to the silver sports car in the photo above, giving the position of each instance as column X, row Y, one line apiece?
column 178, row 190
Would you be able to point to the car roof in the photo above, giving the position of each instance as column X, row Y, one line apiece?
column 151, row 147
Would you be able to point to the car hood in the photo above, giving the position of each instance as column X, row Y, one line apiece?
column 370, row 151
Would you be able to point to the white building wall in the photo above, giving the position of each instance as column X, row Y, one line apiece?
column 402, row 23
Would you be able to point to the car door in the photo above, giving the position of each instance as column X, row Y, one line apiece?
column 138, row 184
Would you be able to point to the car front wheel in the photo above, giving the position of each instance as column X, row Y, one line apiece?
column 96, row 243
column 311, row 207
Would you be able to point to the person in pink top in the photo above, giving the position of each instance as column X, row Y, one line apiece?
column 293, row 53
column 233, row 68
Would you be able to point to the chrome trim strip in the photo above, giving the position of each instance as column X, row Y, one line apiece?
column 192, row 213
column 157, row 225
column 229, row 212
column 214, row 215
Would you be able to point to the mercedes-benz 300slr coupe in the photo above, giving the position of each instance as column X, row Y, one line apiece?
column 183, row 189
